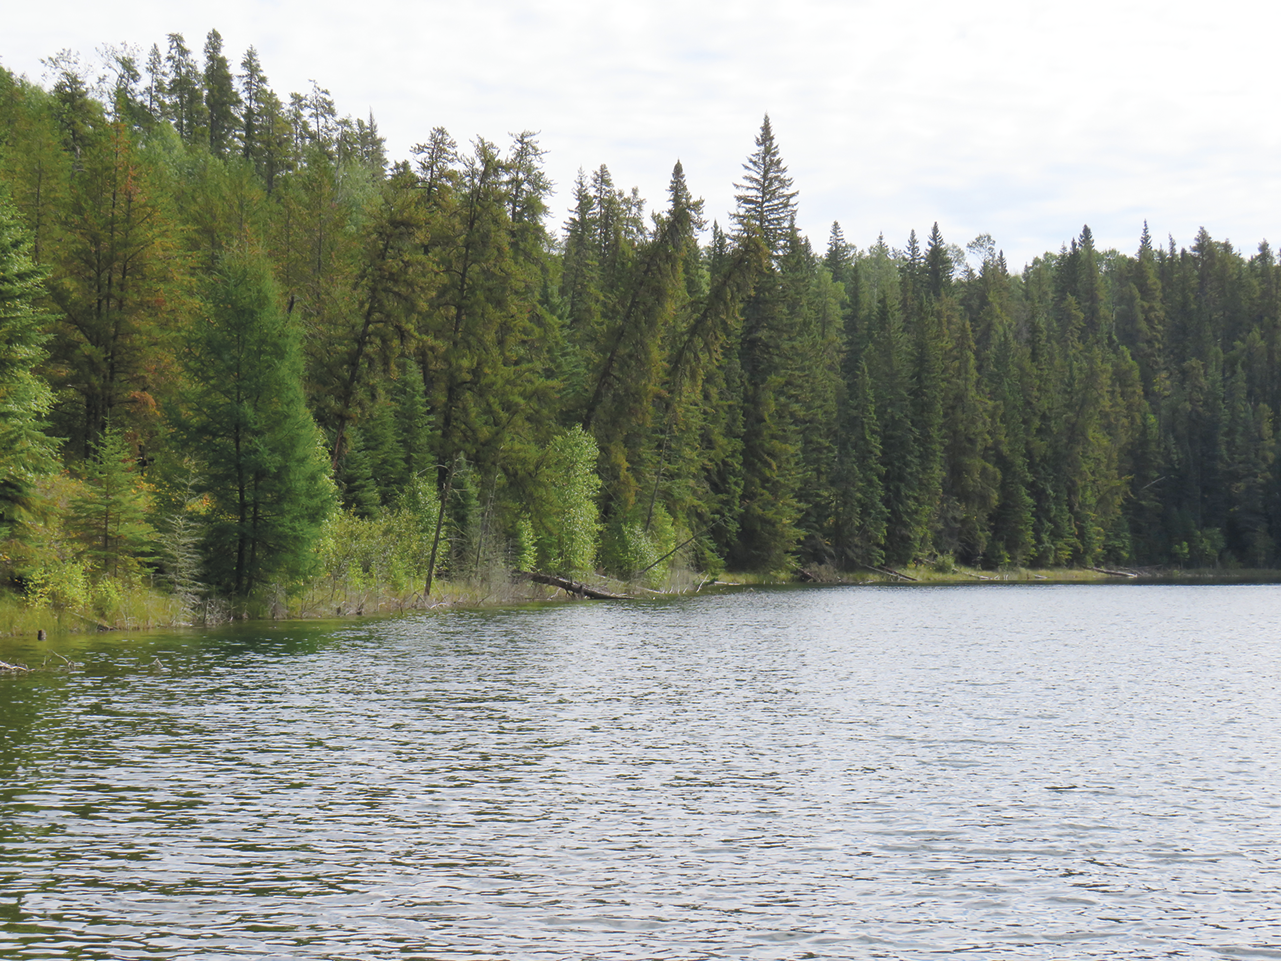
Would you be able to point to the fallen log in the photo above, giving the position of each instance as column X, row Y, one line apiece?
column 890, row 571
column 1104, row 570
column 570, row 586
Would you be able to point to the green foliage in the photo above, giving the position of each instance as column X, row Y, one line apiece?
column 524, row 545
column 26, row 452
column 50, row 560
column 565, row 516
column 389, row 551
column 178, row 532
column 111, row 515
column 629, row 548
column 225, row 269
column 771, row 362
column 264, row 465
column 119, row 284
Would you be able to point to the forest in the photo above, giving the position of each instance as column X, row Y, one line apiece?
column 244, row 353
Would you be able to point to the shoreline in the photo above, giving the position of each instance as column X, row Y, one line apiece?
column 25, row 621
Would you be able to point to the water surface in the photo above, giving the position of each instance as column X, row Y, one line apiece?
column 989, row 771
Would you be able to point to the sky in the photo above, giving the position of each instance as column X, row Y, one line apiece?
column 1016, row 119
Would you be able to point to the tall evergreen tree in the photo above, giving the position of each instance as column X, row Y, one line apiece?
column 766, row 202
column 185, row 96
column 221, row 98
column 264, row 469
column 26, row 452
column 119, row 289
column 766, row 212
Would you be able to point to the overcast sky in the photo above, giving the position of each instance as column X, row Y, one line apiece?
column 1019, row 119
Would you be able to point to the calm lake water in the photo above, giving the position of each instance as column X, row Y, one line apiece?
column 986, row 771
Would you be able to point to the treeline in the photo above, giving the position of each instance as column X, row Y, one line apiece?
column 239, row 345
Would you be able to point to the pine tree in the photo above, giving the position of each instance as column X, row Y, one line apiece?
column 1250, row 459
column 481, row 342
column 154, row 94
column 938, row 264
column 393, row 283
column 79, row 117
column 970, row 482
column 627, row 374
column 1012, row 526
column 33, row 164
column 355, row 475
column 413, row 424
column 813, row 303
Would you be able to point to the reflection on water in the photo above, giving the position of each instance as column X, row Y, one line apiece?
column 1014, row 772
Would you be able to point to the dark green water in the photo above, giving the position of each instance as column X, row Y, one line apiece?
column 1013, row 772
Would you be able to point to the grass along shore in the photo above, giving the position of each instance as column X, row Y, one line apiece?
column 140, row 606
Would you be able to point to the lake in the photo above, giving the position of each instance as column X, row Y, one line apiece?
column 991, row 771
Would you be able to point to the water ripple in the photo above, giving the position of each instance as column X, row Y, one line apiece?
column 1035, row 772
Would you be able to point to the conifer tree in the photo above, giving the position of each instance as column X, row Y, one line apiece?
column 890, row 351
column 766, row 212
column 185, row 96
column 765, row 199
column 33, row 164
column 1012, row 525
column 938, row 264
column 861, row 516
column 112, row 517
column 26, row 452
column 970, row 481
column 120, row 287
column 253, row 89
column 264, row 465
column 413, row 424
column 221, row 98
column 154, row 93
column 394, row 282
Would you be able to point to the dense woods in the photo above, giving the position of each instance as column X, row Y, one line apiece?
column 241, row 349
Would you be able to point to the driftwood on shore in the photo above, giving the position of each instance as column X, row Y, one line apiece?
column 570, row 586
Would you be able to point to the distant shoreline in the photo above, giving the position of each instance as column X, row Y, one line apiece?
column 29, row 621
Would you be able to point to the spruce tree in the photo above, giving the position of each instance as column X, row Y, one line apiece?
column 771, row 508
column 890, row 351
column 221, row 98
column 861, row 515
column 185, row 96
column 765, row 200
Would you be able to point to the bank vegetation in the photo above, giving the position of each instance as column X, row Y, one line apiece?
column 252, row 366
